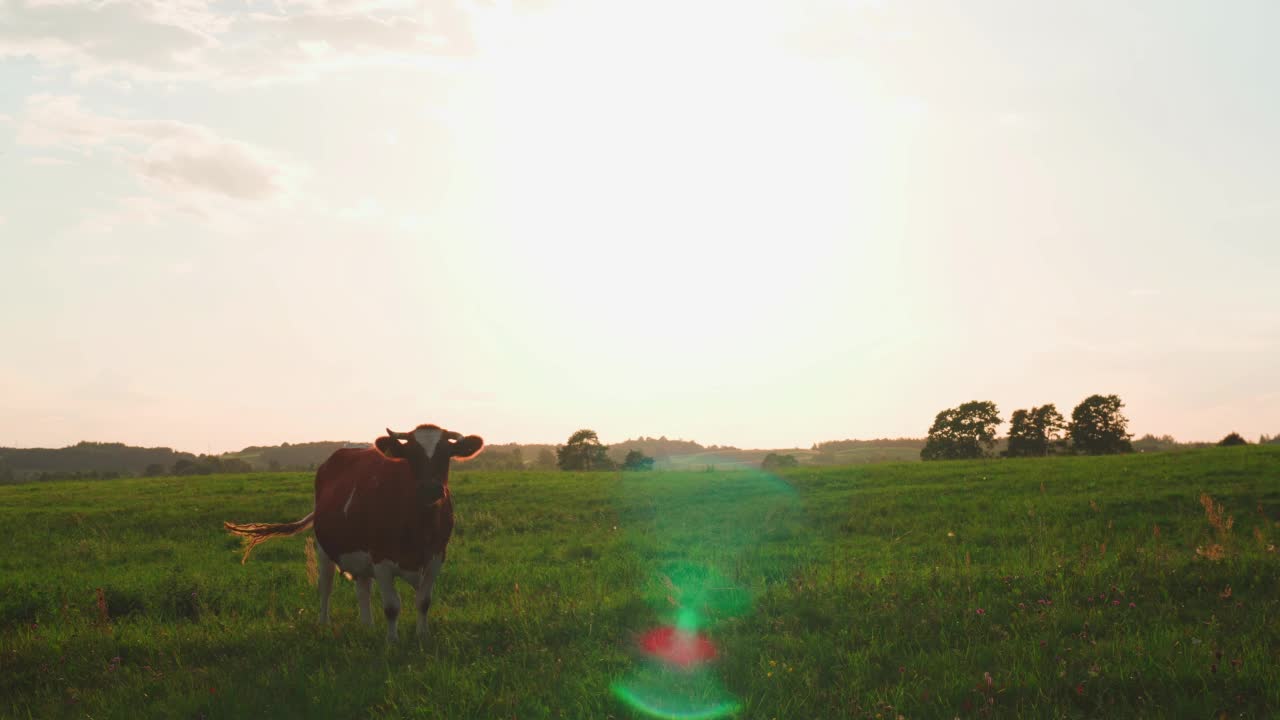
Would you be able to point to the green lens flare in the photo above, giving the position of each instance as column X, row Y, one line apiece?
column 700, row 596
column 703, row 531
column 674, row 696
column 687, row 621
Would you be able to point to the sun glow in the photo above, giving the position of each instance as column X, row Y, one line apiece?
column 683, row 143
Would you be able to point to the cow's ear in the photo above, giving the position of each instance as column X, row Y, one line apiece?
column 468, row 447
column 389, row 446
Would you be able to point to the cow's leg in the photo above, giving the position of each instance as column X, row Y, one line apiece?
column 324, row 582
column 385, row 573
column 364, row 594
column 423, row 600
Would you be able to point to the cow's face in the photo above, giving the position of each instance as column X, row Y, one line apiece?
column 430, row 448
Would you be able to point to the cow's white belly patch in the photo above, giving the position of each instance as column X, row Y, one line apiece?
column 360, row 564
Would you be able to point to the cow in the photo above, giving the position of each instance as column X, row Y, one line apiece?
column 380, row 513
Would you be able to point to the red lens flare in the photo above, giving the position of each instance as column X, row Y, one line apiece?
column 681, row 648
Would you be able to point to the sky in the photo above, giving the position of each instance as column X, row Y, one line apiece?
column 759, row 224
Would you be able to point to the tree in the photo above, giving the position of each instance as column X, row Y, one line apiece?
column 1098, row 428
column 1232, row 440
column 154, row 470
column 774, row 461
column 546, row 460
column 583, row 452
column 968, row 431
column 235, row 465
column 637, row 461
column 498, row 457
column 1034, row 432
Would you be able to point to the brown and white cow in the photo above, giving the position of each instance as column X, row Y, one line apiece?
column 381, row 513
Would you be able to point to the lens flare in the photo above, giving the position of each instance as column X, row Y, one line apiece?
column 658, row 704
column 679, row 648
column 703, row 529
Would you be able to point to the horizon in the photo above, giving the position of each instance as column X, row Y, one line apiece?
column 748, row 223
column 605, row 441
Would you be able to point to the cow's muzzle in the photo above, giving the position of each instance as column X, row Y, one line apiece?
column 430, row 494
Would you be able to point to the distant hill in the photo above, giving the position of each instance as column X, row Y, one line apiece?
column 1164, row 443
column 856, row 452
column 662, row 450
column 85, row 458
column 105, row 460
column 286, row 456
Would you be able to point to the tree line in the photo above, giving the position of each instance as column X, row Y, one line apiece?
column 1097, row 427
column 584, row 452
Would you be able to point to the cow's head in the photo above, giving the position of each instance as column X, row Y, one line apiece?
column 429, row 448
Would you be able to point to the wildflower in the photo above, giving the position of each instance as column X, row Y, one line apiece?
column 1133, row 605
column 1080, row 689
column 980, row 611
column 950, row 534
column 1022, row 606
column 1115, row 603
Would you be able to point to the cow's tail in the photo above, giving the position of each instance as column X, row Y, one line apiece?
column 254, row 533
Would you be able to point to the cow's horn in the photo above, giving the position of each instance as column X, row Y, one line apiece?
column 451, row 435
column 397, row 436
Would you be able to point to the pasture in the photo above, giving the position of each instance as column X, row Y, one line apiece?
column 1061, row 587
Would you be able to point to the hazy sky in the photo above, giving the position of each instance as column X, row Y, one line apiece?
column 752, row 223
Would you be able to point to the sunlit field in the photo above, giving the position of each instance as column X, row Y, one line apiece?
column 1065, row 587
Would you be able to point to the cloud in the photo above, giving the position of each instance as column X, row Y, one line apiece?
column 181, row 157
column 144, row 38
column 165, row 40
column 200, row 160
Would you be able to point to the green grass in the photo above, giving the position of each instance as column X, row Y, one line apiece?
column 837, row 592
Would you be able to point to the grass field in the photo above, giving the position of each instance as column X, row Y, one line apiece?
column 1065, row 587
